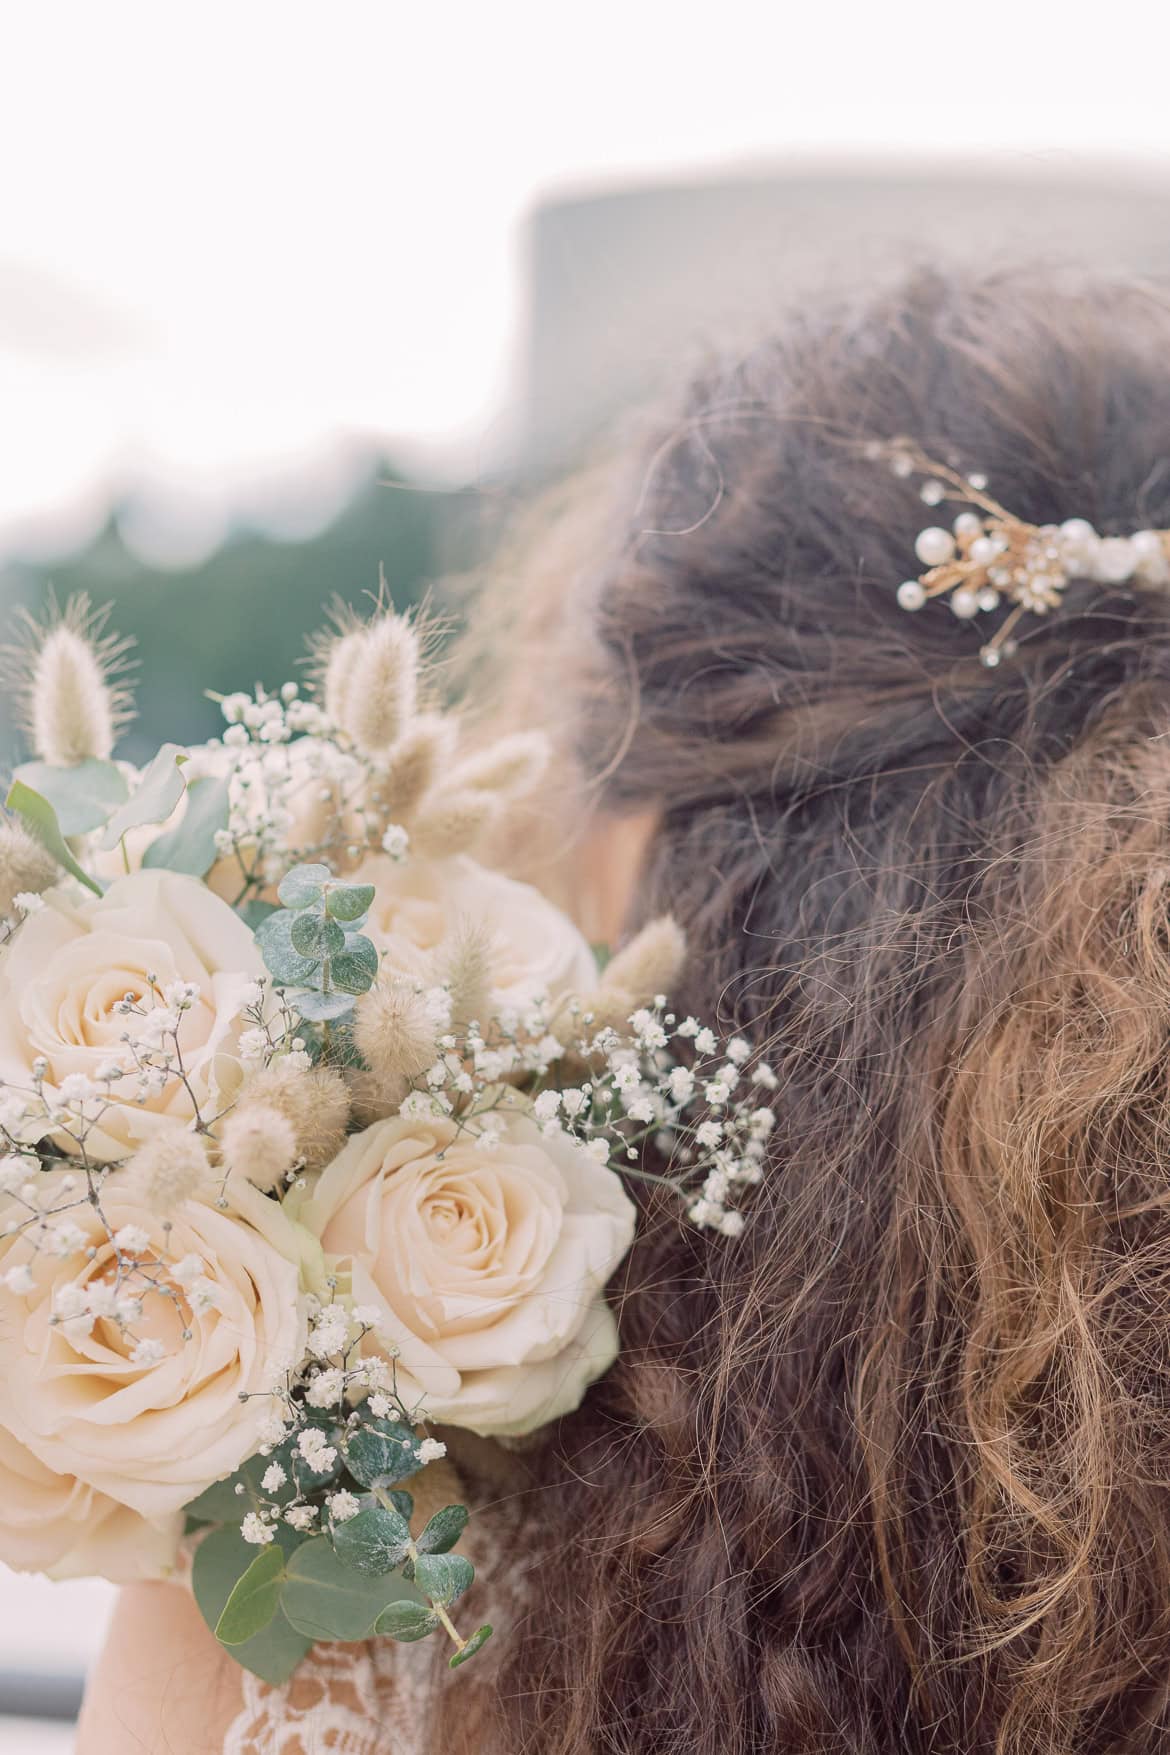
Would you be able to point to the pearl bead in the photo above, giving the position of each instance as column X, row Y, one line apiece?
column 968, row 524
column 987, row 598
column 1000, row 576
column 990, row 656
column 964, row 603
column 911, row 595
column 931, row 492
column 983, row 551
column 1116, row 560
column 978, row 482
column 934, row 546
column 1077, row 530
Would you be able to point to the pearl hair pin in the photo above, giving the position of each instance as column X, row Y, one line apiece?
column 991, row 557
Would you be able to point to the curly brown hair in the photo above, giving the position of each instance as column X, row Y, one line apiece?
column 891, row 1472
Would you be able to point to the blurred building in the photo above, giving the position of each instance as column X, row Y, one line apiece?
column 624, row 284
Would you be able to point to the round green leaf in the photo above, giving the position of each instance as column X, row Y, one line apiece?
column 405, row 1622
column 220, row 1559
column 320, row 1008
column 375, row 1540
column 356, row 969
column 348, row 901
column 478, row 1639
column 190, row 846
column 286, row 966
column 159, row 791
column 444, row 1530
column 325, row 1599
column 314, row 936
column 383, row 1452
column 443, row 1577
column 83, row 796
column 254, row 1598
column 302, row 886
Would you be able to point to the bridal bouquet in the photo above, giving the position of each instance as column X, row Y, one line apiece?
column 312, row 1137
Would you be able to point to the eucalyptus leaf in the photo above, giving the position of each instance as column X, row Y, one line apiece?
column 286, row 966
column 254, row 911
column 325, row 1599
column 83, row 795
column 443, row 1530
column 312, row 935
column 383, row 1452
column 156, row 796
column 356, row 968
column 443, row 1577
column 405, row 1622
column 320, row 1008
column 348, row 902
column 41, row 819
column 254, row 1599
column 220, row 1503
column 222, row 1558
column 190, row 846
column 477, row 1641
column 302, row 886
column 375, row 1540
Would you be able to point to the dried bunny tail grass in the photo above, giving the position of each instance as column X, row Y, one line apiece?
column 373, row 1098
column 67, row 676
column 412, row 767
column 650, row 964
column 454, row 822
column 314, row 1103
column 169, row 1169
column 25, row 866
column 463, row 963
column 513, row 765
column 368, row 674
column 394, row 1031
column 259, row 1142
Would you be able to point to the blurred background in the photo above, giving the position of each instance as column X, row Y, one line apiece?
column 290, row 294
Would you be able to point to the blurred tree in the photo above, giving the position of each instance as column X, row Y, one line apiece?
column 243, row 615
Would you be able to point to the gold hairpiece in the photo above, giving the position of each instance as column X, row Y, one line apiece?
column 983, row 561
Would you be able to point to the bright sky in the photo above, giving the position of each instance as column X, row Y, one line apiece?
column 235, row 238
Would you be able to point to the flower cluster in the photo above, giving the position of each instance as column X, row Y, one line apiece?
column 314, row 1133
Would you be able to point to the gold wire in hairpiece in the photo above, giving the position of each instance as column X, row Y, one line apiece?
column 983, row 561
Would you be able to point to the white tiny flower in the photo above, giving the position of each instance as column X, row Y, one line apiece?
column 188, row 1270
column 273, row 1429
column 236, row 737
column 77, row 1088
column 396, row 842
column 430, row 1450
column 181, row 995
column 25, row 902
column 300, row 1517
column 325, row 1389
column 233, row 707
column 379, row 1405
column 148, row 1351
column 731, row 1224
column 255, row 1530
column 706, row 1042
column 69, row 1302
column 109, row 1072
column 273, row 1478
column 253, row 1044
column 225, row 843
column 368, row 1315
column 716, row 1092
column 131, row 1240
column 546, row 1105
column 13, row 1171
column 599, row 1149
column 573, row 1101
column 681, row 1084
column 342, row 1505
column 204, row 1295
column 709, row 1133
column 738, row 1050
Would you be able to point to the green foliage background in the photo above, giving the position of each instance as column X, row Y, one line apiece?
column 243, row 616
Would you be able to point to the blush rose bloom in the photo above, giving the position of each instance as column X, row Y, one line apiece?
column 535, row 949
column 149, row 1435
column 57, row 1525
column 489, row 1263
column 70, row 964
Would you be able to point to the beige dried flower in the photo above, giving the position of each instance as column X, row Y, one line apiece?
column 454, row 822
column 315, row 1103
column 394, row 1031
column 25, row 866
column 513, row 765
column 464, row 961
column 65, row 673
column 258, row 1142
column 412, row 767
column 649, row 964
column 170, row 1168
column 370, row 681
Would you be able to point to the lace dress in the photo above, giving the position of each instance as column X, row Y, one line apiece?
column 376, row 1697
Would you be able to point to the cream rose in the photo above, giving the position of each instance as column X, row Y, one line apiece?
column 57, row 1525
column 489, row 1262
column 144, row 1415
column 535, row 948
column 69, row 966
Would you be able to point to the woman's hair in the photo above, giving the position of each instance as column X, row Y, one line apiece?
column 891, row 1472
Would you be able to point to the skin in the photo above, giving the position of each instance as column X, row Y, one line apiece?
column 162, row 1684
